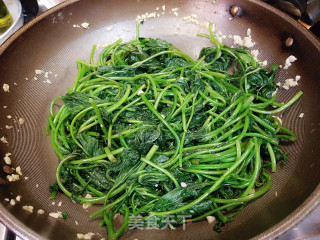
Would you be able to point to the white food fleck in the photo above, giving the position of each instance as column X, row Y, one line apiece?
column 6, row 87
column 88, row 196
column 76, row 222
column 301, row 115
column 183, row 184
column 139, row 19
column 80, row 235
column 140, row 92
column 163, row 7
column 26, row 178
column 151, row 15
column 9, row 116
column 57, row 214
column 13, row 177
column 7, row 158
column 28, row 208
column 9, row 127
column 103, row 45
column 264, row 63
column 289, row 61
column 7, row 199
column 255, row 53
column 18, row 170
column 12, row 202
column 237, row 40
column 280, row 120
column 290, row 82
column 86, row 236
column 40, row 211
column 275, row 92
column 60, row 15
column 85, row 25
column 249, row 31
column 59, row 204
column 191, row 19
column 18, row 198
column 247, row 42
column 38, row 71
column 109, row 28
column 211, row 219
column 87, row 205
column 21, row 121
column 206, row 25
column 4, row 140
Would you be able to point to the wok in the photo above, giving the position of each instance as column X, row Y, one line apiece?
column 53, row 41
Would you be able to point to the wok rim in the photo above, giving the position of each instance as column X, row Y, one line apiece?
column 285, row 225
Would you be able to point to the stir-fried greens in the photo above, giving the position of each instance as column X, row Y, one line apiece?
column 149, row 131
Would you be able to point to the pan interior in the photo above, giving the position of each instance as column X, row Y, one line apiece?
column 54, row 43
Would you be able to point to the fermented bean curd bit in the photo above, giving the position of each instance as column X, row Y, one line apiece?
column 148, row 131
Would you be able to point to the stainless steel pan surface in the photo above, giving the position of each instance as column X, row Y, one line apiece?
column 55, row 40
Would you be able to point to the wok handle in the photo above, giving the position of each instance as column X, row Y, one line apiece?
column 307, row 10
column 312, row 13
